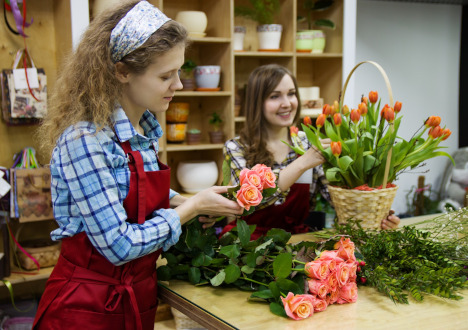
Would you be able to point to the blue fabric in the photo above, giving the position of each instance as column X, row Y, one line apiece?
column 90, row 180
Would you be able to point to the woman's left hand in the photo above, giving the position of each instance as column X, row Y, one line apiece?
column 391, row 221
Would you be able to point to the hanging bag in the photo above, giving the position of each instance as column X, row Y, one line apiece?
column 24, row 92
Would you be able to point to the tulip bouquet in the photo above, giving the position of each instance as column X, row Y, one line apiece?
column 365, row 139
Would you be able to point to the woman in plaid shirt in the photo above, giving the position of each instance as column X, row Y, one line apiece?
column 272, row 105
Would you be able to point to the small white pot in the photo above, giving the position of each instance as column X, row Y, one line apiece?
column 269, row 36
column 194, row 176
column 207, row 76
column 194, row 21
column 239, row 35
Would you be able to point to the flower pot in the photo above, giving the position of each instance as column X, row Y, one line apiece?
column 176, row 132
column 193, row 138
column 304, row 41
column 177, row 112
column 217, row 137
column 194, row 21
column 196, row 175
column 207, row 76
column 188, row 84
column 369, row 206
column 239, row 35
column 318, row 41
column 269, row 36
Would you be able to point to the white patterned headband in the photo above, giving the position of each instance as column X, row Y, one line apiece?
column 134, row 29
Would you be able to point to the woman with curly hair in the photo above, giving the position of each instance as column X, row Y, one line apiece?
column 111, row 196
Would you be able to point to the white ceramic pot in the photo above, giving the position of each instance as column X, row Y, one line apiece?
column 239, row 34
column 196, row 175
column 207, row 76
column 194, row 21
column 269, row 36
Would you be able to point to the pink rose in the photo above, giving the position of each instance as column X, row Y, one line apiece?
column 320, row 305
column 342, row 274
column 317, row 269
column 352, row 269
column 332, row 282
column 248, row 196
column 267, row 175
column 345, row 248
column 299, row 306
column 328, row 255
column 252, row 178
column 332, row 297
column 318, row 288
column 348, row 293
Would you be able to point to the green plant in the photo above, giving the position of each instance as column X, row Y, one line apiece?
column 261, row 11
column 194, row 131
column 316, row 5
column 215, row 121
column 187, row 69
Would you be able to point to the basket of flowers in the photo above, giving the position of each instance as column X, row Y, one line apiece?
column 366, row 154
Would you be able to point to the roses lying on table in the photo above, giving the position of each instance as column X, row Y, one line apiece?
column 254, row 185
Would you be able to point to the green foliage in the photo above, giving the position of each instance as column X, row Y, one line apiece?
column 317, row 5
column 215, row 120
column 261, row 11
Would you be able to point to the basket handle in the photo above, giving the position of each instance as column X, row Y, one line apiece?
column 390, row 95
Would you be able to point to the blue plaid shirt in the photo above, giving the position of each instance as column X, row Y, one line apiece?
column 90, row 180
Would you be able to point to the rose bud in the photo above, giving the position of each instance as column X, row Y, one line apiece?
column 397, row 106
column 363, row 108
column 435, row 132
column 345, row 110
column 355, row 115
column 373, row 96
column 293, row 130
column 389, row 114
column 446, row 133
column 337, row 119
column 320, row 120
column 433, row 121
column 336, row 148
column 307, row 121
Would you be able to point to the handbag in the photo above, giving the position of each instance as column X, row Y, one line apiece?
column 24, row 92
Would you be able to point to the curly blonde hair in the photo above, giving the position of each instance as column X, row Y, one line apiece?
column 87, row 87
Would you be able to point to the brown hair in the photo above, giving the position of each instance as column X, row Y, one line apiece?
column 262, row 82
column 87, row 87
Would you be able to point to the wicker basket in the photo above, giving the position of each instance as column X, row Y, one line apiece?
column 369, row 206
column 44, row 251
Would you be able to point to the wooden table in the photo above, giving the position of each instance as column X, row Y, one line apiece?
column 229, row 308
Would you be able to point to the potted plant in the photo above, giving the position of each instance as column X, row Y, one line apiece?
column 264, row 13
column 186, row 75
column 193, row 136
column 313, row 40
column 366, row 155
column 216, row 135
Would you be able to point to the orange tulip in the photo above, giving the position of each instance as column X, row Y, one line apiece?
column 435, row 132
column 320, row 120
column 433, row 121
column 373, row 96
column 389, row 114
column 364, row 99
column 336, row 148
column 446, row 133
column 293, row 130
column 336, row 106
column 307, row 121
column 363, row 108
column 355, row 115
column 397, row 106
column 327, row 110
column 337, row 119
column 345, row 110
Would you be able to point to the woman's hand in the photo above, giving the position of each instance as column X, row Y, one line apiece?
column 391, row 221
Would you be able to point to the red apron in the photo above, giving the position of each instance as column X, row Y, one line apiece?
column 86, row 291
column 289, row 216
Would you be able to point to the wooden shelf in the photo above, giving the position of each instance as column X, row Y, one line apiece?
column 263, row 54
column 323, row 55
column 189, row 147
column 211, row 40
column 239, row 119
column 197, row 93
column 27, row 276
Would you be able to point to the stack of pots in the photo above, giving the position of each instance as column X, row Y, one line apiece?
column 176, row 119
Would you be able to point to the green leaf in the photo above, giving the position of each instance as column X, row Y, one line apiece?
column 345, row 162
column 218, row 279
column 226, row 172
column 330, row 132
column 227, row 239
column 275, row 291
column 277, row 309
column 262, row 294
column 231, row 251
column 325, row 23
column 250, row 259
column 286, row 286
column 164, row 273
column 243, row 232
column 279, row 236
column 171, row 258
column 264, row 245
column 194, row 275
column 282, row 265
column 232, row 273
column 247, row 270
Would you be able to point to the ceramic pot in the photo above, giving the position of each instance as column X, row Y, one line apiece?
column 318, row 41
column 176, row 132
column 207, row 76
column 304, row 41
column 194, row 21
column 196, row 175
column 193, row 138
column 269, row 36
column 177, row 112
column 188, row 84
column 239, row 34
column 217, row 137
